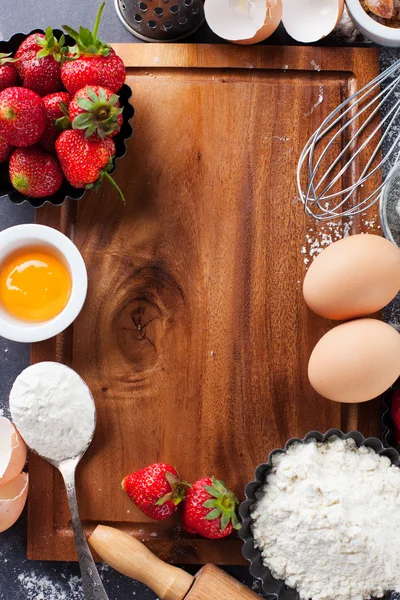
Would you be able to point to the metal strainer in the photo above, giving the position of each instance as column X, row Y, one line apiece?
column 161, row 20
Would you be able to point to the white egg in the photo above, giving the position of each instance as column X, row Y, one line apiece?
column 243, row 21
column 12, row 501
column 12, row 452
column 311, row 20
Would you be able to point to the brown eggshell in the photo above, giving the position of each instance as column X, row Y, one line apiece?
column 12, row 501
column 311, row 20
column 234, row 27
column 271, row 25
column 12, row 452
column 353, row 277
column 355, row 361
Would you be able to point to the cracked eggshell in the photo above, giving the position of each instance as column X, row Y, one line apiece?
column 12, row 452
column 311, row 20
column 243, row 21
column 12, row 501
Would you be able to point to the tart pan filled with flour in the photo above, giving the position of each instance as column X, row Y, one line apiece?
column 322, row 519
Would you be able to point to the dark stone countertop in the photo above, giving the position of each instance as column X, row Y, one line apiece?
column 21, row 579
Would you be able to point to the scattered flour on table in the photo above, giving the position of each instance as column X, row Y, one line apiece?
column 36, row 586
column 328, row 521
column 280, row 138
column 318, row 102
column 53, row 410
column 319, row 235
column 41, row 587
column 346, row 29
column 315, row 66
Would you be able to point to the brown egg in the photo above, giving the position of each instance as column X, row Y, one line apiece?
column 354, row 277
column 355, row 361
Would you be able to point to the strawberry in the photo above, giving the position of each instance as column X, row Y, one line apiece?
column 91, row 61
column 156, row 490
column 85, row 162
column 5, row 149
column 56, row 105
column 22, row 116
column 38, row 62
column 395, row 413
column 8, row 72
column 29, row 43
column 35, row 173
column 96, row 110
column 210, row 509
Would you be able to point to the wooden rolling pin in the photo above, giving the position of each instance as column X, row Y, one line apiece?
column 130, row 557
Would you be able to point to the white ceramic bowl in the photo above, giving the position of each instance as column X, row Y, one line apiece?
column 380, row 34
column 24, row 236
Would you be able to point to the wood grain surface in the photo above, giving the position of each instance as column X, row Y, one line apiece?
column 194, row 338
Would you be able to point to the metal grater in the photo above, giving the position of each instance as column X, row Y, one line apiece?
column 161, row 20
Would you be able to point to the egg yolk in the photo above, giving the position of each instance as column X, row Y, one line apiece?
column 34, row 286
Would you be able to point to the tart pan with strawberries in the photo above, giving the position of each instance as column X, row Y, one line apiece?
column 103, row 141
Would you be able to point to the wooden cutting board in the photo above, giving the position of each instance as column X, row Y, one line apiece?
column 194, row 338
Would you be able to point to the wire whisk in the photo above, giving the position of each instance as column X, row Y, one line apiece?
column 339, row 170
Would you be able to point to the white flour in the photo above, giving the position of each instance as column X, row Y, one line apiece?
column 42, row 588
column 53, row 410
column 328, row 521
column 34, row 585
column 321, row 235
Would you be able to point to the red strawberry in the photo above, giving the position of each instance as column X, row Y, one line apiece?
column 210, row 509
column 22, row 116
column 91, row 61
column 56, row 105
column 96, row 111
column 47, row 44
column 8, row 72
column 395, row 413
column 156, row 490
column 85, row 162
column 5, row 149
column 29, row 43
column 38, row 63
column 35, row 173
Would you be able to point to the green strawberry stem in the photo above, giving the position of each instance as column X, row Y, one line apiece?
column 97, row 22
column 223, row 503
column 178, row 490
column 114, row 183
column 99, row 113
column 86, row 41
column 6, row 58
column 51, row 46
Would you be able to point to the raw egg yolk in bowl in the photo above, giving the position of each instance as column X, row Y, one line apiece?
column 34, row 285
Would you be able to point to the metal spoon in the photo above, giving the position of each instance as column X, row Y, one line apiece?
column 91, row 582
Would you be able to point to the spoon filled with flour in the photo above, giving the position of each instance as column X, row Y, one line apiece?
column 54, row 411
